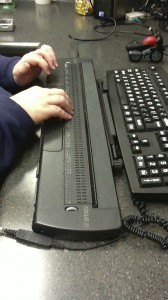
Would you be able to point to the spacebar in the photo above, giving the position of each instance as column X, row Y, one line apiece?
column 105, row 188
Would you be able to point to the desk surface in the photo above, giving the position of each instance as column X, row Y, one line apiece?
column 128, row 269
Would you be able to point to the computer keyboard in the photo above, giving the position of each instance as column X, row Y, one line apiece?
column 138, row 99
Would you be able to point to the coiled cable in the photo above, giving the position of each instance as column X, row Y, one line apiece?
column 144, row 219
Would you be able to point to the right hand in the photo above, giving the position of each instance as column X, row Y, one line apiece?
column 31, row 64
column 44, row 103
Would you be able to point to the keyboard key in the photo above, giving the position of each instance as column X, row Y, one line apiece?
column 165, row 122
column 143, row 173
column 154, row 172
column 133, row 136
column 165, row 147
column 164, row 171
column 136, row 149
column 160, row 156
column 129, row 119
column 162, row 133
column 145, row 142
column 135, row 142
column 131, row 127
column 151, row 182
column 152, row 164
column 127, row 113
column 150, row 157
column 154, row 125
column 163, row 163
column 138, row 123
column 140, row 164
column 164, row 139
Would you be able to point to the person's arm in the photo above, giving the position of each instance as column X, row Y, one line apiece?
column 33, row 63
column 15, row 127
column 6, row 73
column 20, row 113
column 17, row 73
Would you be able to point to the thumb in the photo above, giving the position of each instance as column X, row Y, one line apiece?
column 23, row 68
column 20, row 70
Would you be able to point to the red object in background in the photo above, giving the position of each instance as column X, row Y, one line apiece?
column 151, row 45
column 149, row 40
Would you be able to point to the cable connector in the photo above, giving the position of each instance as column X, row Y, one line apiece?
column 33, row 239
column 27, row 237
column 30, row 238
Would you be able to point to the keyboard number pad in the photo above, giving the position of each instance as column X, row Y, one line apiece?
column 152, row 170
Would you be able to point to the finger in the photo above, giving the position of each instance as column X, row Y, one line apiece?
column 60, row 98
column 58, row 92
column 58, row 112
column 61, row 102
column 37, row 60
column 48, row 54
column 50, row 50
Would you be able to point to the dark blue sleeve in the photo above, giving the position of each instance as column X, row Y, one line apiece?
column 6, row 78
column 15, row 123
column 15, row 127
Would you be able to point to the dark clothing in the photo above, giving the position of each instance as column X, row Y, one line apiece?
column 15, row 123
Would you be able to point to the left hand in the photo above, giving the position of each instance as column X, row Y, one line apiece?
column 43, row 103
column 31, row 64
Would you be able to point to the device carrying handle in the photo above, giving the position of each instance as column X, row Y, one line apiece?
column 17, row 48
column 115, row 153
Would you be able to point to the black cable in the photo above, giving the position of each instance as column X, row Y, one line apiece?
column 91, row 3
column 31, row 238
column 145, row 219
column 157, row 9
column 94, row 245
column 108, row 22
column 133, row 23
column 96, row 39
column 77, row 48
column 128, row 221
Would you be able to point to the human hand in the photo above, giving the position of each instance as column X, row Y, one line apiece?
column 43, row 103
column 31, row 64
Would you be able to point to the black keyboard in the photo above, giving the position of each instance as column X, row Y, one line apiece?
column 138, row 100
